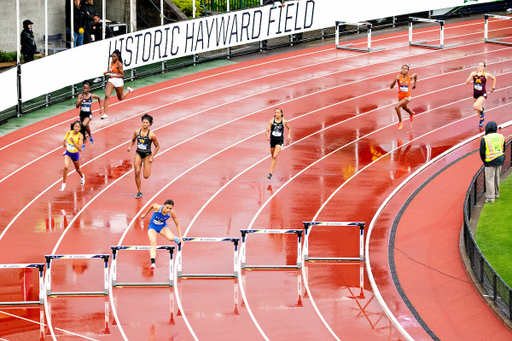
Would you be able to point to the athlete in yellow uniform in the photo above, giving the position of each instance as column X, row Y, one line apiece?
column 73, row 143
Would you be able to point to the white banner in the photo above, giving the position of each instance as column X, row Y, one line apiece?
column 207, row 34
column 8, row 89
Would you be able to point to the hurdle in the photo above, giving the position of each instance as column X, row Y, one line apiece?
column 180, row 257
column 246, row 232
column 347, row 46
column 39, row 266
column 422, row 43
column 309, row 224
column 115, row 249
column 486, row 29
column 49, row 259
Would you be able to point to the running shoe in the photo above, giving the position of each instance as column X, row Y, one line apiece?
column 481, row 124
column 139, row 195
column 269, row 176
column 130, row 89
column 62, row 187
column 82, row 180
column 400, row 125
column 104, row 116
column 412, row 116
column 90, row 139
column 153, row 266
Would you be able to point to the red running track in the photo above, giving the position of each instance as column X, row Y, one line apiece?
column 341, row 164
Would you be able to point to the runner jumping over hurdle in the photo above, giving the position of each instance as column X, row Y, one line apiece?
column 158, row 224
column 404, row 92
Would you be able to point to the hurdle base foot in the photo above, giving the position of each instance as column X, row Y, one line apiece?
column 18, row 303
column 347, row 47
column 154, row 284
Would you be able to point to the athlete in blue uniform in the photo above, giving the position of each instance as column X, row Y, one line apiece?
column 158, row 224
column 275, row 134
column 84, row 102
column 144, row 138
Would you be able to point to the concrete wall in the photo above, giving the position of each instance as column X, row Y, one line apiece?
column 33, row 10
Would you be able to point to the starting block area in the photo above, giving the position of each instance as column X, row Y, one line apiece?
column 486, row 30
column 116, row 249
column 307, row 230
column 49, row 259
column 246, row 232
column 40, row 267
column 348, row 46
column 422, row 43
column 235, row 242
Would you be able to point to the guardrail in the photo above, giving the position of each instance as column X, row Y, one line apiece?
column 497, row 290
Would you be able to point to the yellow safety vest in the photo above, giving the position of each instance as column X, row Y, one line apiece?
column 493, row 146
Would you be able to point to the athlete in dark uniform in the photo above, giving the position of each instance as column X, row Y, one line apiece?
column 479, row 92
column 84, row 102
column 158, row 224
column 144, row 138
column 275, row 134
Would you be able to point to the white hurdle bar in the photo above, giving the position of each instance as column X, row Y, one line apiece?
column 180, row 257
column 49, row 259
column 309, row 224
column 486, row 30
column 39, row 266
column 422, row 43
column 347, row 46
column 246, row 232
column 115, row 249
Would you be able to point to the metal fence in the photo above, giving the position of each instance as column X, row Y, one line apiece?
column 221, row 5
column 496, row 288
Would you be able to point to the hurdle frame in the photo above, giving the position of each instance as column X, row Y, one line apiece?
column 117, row 248
column 207, row 239
column 246, row 232
column 486, row 29
column 39, row 266
column 422, row 42
column 347, row 46
column 310, row 224
column 49, row 259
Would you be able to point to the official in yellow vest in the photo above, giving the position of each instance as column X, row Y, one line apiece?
column 492, row 153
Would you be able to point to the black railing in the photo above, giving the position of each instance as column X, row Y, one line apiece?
column 497, row 290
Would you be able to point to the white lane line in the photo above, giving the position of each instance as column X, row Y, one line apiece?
column 280, row 60
column 239, row 99
column 374, row 285
column 327, row 155
column 39, row 323
column 197, row 95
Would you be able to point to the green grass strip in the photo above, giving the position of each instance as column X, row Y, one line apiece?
column 494, row 232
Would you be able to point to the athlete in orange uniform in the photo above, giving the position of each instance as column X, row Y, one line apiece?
column 115, row 80
column 404, row 92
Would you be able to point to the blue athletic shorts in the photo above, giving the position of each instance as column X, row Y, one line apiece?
column 74, row 156
column 156, row 227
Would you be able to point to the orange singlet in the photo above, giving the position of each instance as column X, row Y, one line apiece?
column 404, row 87
column 115, row 68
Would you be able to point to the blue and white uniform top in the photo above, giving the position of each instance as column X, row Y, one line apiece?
column 159, row 220
column 86, row 104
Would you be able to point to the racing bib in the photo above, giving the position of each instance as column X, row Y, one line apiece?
column 404, row 88
column 478, row 87
column 277, row 133
column 141, row 146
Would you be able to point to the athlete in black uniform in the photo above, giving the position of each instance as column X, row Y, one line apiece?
column 144, row 138
column 84, row 102
column 275, row 131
